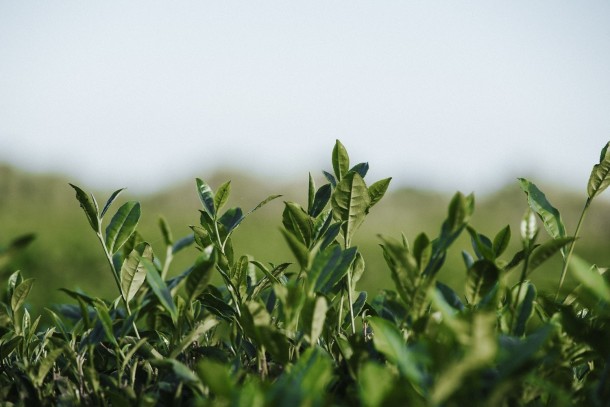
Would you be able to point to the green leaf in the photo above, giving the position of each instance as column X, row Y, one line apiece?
column 160, row 289
column 20, row 294
column 222, row 195
column 122, row 225
column 201, row 273
column 481, row 244
column 110, row 200
column 501, row 241
column 523, row 306
column 133, row 271
column 340, row 160
column 600, row 175
column 321, row 198
column 311, row 191
column 297, row 222
column 480, row 279
column 548, row 213
column 104, row 317
column 87, row 204
column 590, row 278
column 45, row 366
column 350, row 202
column 299, row 250
column 388, row 340
column 330, row 267
column 217, row 376
column 231, row 219
column 546, row 250
column 360, row 168
column 375, row 382
column 378, row 190
column 313, row 317
column 206, row 196
column 166, row 232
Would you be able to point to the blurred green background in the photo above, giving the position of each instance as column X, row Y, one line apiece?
column 66, row 252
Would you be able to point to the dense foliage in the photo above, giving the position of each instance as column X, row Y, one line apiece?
column 302, row 333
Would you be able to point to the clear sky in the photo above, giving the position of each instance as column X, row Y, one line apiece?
column 443, row 94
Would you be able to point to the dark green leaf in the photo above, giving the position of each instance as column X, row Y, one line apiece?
column 330, row 178
column 523, row 307
column 450, row 296
column 548, row 213
column 321, row 198
column 329, row 269
column 200, row 274
column 340, row 160
column 104, row 318
column 360, row 168
column 160, row 289
column 122, row 225
column 110, row 200
column 297, row 222
column 481, row 244
column 600, row 175
column 481, row 278
column 21, row 242
column 182, row 243
column 87, row 204
column 231, row 219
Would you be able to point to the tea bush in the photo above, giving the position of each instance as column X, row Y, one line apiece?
column 302, row 333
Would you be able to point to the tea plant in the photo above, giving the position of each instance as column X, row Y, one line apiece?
column 302, row 333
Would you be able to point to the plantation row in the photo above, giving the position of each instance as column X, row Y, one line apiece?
column 300, row 332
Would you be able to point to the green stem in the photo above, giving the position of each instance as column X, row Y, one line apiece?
column 116, row 280
column 521, row 280
column 566, row 261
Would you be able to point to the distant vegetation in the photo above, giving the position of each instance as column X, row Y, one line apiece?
column 64, row 254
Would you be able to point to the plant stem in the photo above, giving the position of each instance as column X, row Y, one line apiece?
column 521, row 280
column 117, row 281
column 566, row 261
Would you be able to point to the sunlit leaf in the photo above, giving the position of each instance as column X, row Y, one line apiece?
column 206, row 196
column 600, row 175
column 222, row 195
column 160, row 289
column 350, row 202
column 378, row 189
column 122, row 225
column 133, row 271
column 20, row 294
column 340, row 160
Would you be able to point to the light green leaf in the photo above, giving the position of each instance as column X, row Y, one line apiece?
column 133, row 272
column 299, row 250
column 311, row 191
column 550, row 216
column 104, row 317
column 350, row 203
column 590, row 278
column 501, row 241
column 206, row 196
column 166, row 232
column 45, row 366
column 20, row 294
column 378, row 190
column 222, row 195
column 122, row 225
column 546, row 250
column 340, row 160
column 87, row 204
column 388, row 340
column 600, row 175
column 375, row 382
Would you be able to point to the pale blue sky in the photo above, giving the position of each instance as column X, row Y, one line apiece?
column 443, row 94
